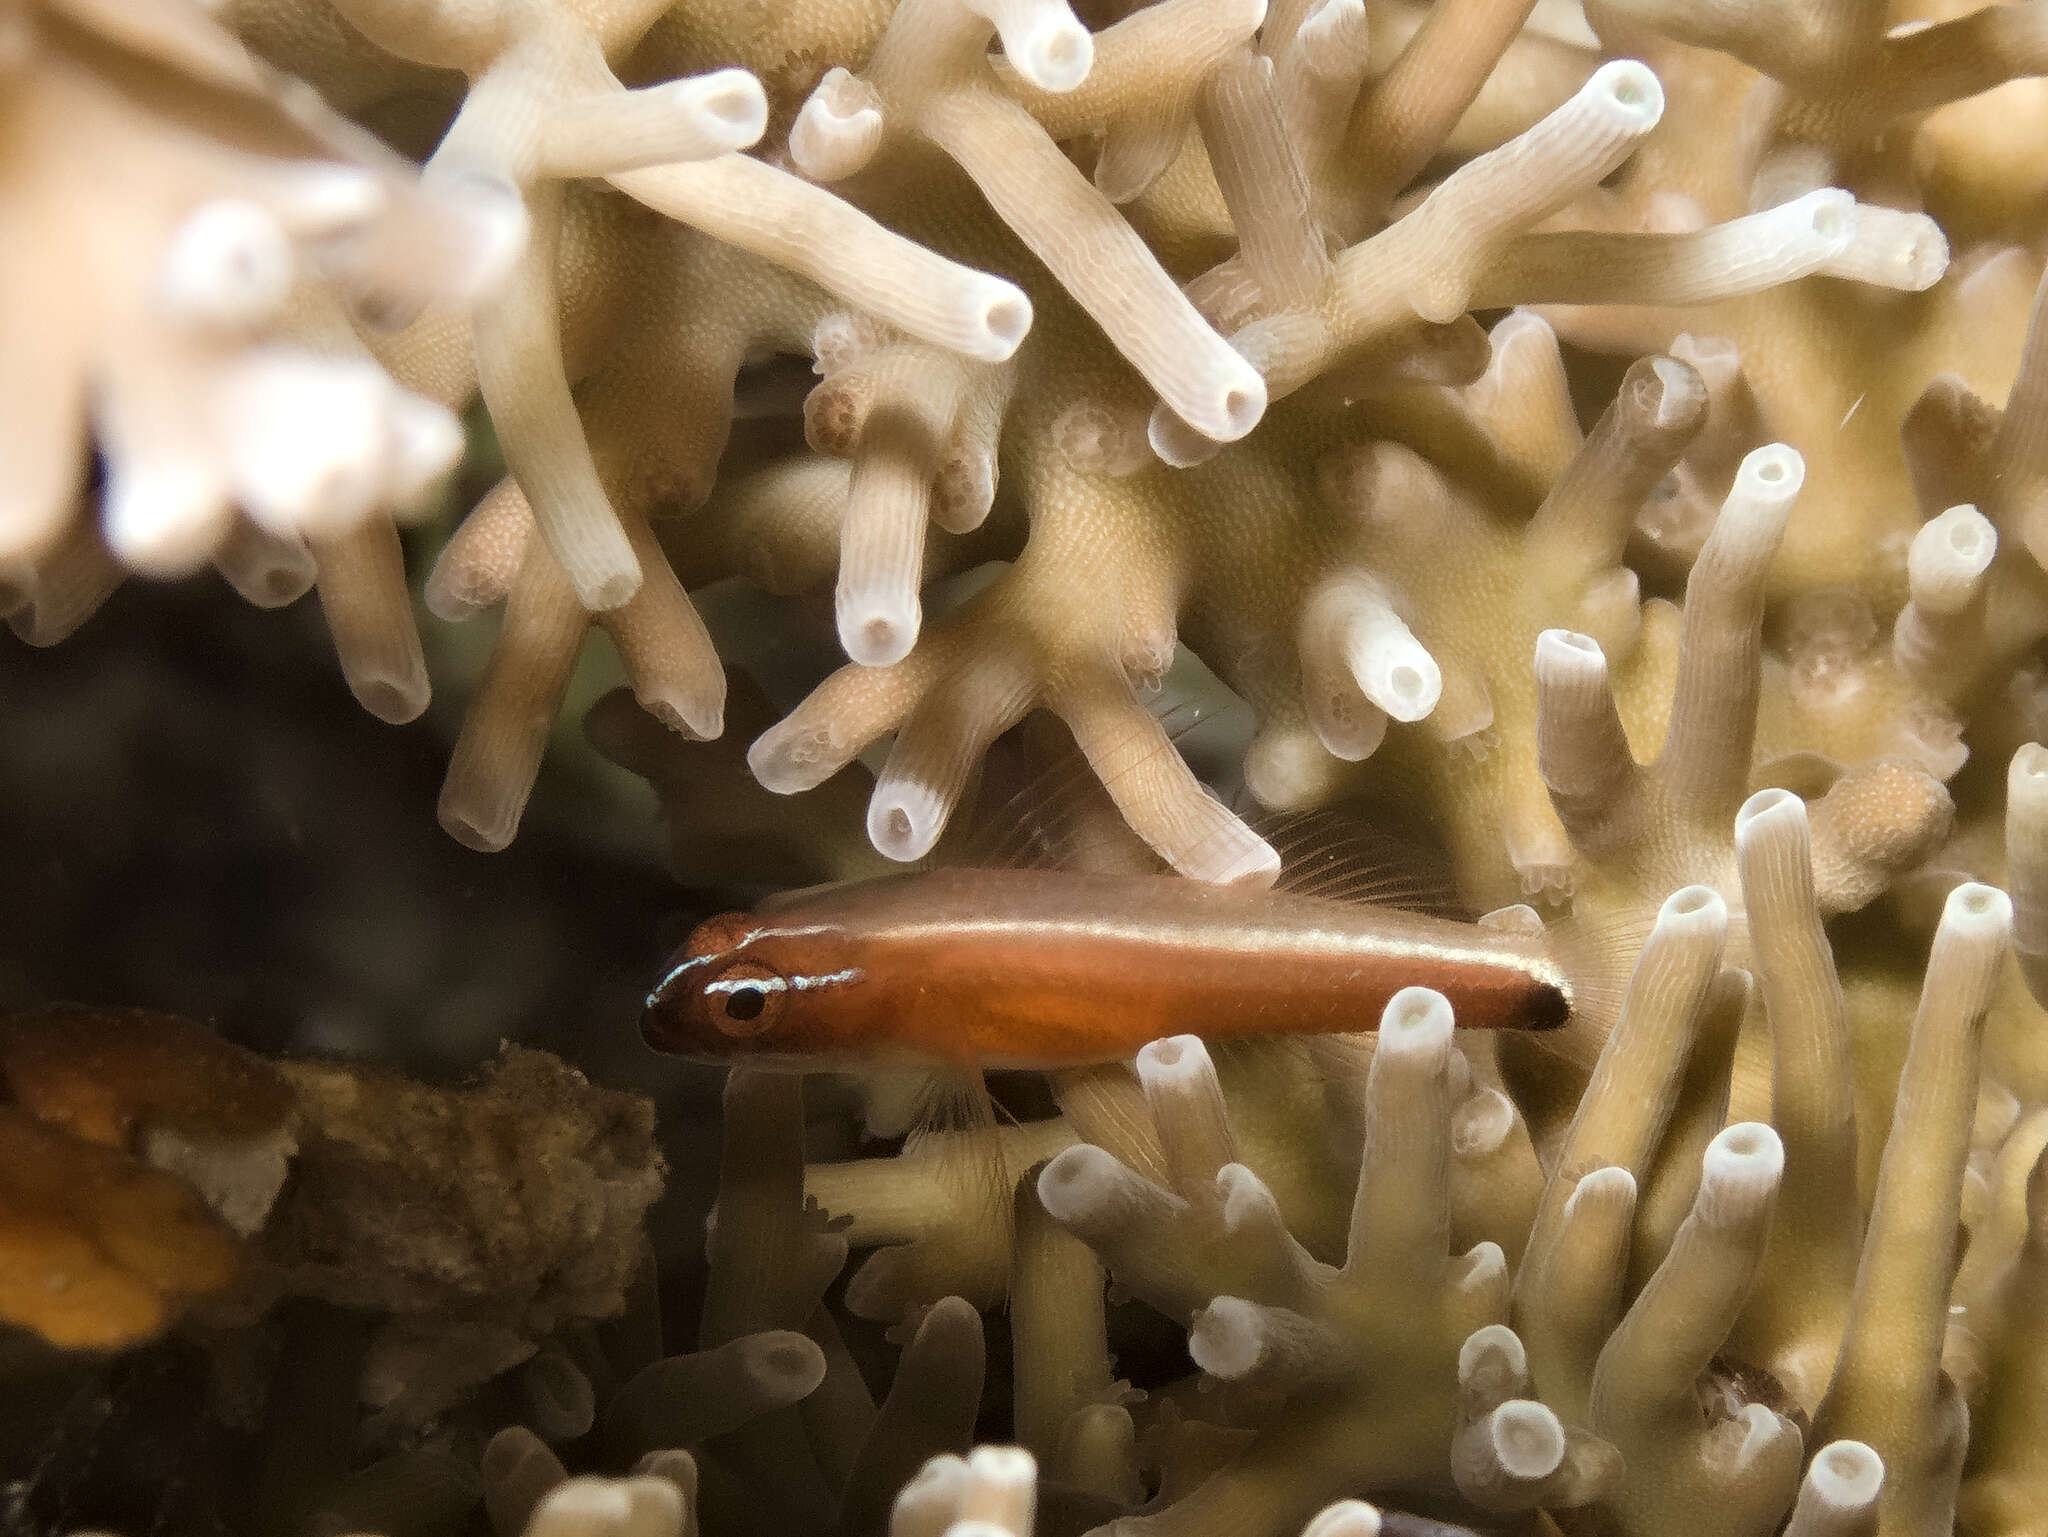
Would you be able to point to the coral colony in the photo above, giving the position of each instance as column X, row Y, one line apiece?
column 1614, row 441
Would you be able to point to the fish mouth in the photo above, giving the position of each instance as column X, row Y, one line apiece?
column 653, row 1031
column 665, row 1022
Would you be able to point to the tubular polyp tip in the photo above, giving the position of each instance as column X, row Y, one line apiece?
column 2029, row 773
column 1611, row 1183
column 730, row 100
column 1948, row 557
column 1527, row 1439
column 1174, row 1057
column 1416, row 1019
column 1771, row 475
column 1765, row 810
column 1005, row 319
column 1226, row 1339
column 1694, row 908
column 1631, row 90
column 1846, row 1475
column 786, row 759
column 1494, row 1348
column 905, row 818
column 1566, row 653
column 878, row 629
column 1076, row 1181
column 1740, row 1171
column 1347, row 1518
column 1056, row 54
column 1681, row 393
column 1976, row 908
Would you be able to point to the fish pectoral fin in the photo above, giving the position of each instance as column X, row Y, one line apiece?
column 956, row 1121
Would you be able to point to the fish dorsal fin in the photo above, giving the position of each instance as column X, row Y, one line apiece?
column 1339, row 854
column 1048, row 809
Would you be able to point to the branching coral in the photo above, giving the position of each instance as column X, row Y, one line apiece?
column 1265, row 1315
column 1267, row 106
column 1358, row 662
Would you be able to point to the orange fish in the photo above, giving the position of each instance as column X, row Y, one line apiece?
column 1010, row 968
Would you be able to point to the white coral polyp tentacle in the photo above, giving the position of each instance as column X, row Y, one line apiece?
column 227, row 267
column 690, row 119
column 1531, row 177
column 555, row 74
column 839, row 129
column 1938, row 636
column 1838, row 1497
column 1361, row 666
column 1042, row 40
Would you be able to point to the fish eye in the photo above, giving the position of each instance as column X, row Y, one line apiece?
column 745, row 998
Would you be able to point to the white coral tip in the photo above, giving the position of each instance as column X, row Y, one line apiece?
column 1416, row 1020
column 1055, row 55
column 309, row 439
column 1946, row 562
column 1227, row 1339
column 1844, row 1476
column 1398, row 675
column 1175, row 442
column 727, row 106
column 1241, row 857
column 228, row 266
column 1346, row 1518
column 1562, row 654
column 1765, row 810
column 878, row 626
column 1739, row 1173
column 839, row 127
column 1974, row 909
column 1079, row 1182
column 1000, row 314
column 163, row 517
column 1629, row 91
column 1694, row 909
column 1175, row 1063
column 1770, row 476
column 1042, row 40
column 1527, row 1439
column 1493, row 1354
column 905, row 817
